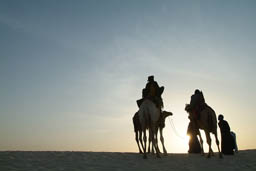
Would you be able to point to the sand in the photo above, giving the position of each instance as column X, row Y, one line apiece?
column 87, row 161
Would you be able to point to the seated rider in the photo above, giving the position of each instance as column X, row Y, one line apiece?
column 153, row 92
column 197, row 103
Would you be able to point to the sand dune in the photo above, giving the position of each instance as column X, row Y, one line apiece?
column 86, row 161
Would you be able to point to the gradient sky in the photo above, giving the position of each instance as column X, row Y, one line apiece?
column 71, row 71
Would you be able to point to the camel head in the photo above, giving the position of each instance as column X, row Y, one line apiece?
column 166, row 114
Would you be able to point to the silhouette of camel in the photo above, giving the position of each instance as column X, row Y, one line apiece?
column 208, row 123
column 160, row 127
column 149, row 115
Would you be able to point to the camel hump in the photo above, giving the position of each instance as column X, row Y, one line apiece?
column 209, row 107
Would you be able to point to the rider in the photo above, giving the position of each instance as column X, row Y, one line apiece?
column 153, row 92
column 197, row 103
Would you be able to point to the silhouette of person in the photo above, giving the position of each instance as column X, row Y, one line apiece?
column 227, row 141
column 192, row 131
column 153, row 92
column 152, row 87
column 197, row 103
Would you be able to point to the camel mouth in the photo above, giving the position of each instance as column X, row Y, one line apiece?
column 166, row 113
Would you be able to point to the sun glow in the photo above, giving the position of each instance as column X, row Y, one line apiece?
column 187, row 138
column 175, row 136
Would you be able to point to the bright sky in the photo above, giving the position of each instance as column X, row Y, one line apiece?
column 71, row 71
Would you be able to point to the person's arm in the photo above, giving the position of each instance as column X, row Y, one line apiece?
column 193, row 101
column 225, row 127
column 202, row 97
column 228, row 128
column 156, row 85
column 221, row 126
column 147, row 86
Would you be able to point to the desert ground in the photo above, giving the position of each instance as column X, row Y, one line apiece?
column 66, row 161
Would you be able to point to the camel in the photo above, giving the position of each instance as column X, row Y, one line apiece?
column 160, row 127
column 208, row 123
column 149, row 114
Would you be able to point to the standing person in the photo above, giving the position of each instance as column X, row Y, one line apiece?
column 227, row 141
column 194, row 145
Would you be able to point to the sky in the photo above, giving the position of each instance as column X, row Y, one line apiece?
column 71, row 71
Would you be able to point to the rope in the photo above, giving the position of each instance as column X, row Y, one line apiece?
column 174, row 129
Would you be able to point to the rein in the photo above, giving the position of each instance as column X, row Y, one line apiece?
column 175, row 130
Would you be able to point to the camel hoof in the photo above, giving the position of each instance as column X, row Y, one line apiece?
column 209, row 156
column 220, row 155
column 158, row 156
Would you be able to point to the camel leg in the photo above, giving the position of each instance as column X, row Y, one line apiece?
column 151, row 147
column 153, row 151
column 149, row 142
column 137, row 140
column 140, row 140
column 153, row 126
column 145, row 144
column 162, row 141
column 209, row 141
column 218, row 145
column 211, row 151
column 201, row 143
column 150, row 139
